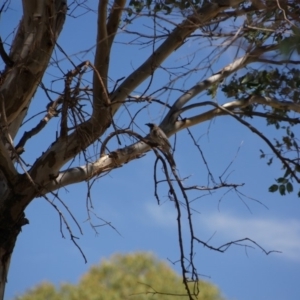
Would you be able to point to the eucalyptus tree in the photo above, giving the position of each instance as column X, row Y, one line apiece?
column 249, row 73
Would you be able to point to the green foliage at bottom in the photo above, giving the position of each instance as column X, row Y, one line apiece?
column 131, row 276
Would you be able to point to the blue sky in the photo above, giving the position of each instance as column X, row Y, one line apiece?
column 125, row 197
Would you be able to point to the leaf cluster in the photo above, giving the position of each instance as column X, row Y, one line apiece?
column 165, row 6
column 283, row 185
column 291, row 44
column 272, row 82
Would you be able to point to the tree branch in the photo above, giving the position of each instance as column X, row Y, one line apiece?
column 114, row 20
column 31, row 51
column 171, row 43
column 101, row 58
column 64, row 149
column 266, row 140
column 119, row 157
column 274, row 103
column 239, row 63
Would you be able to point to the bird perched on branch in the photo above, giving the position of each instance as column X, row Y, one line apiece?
column 159, row 139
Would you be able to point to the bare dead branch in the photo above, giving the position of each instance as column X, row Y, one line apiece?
column 226, row 246
column 63, row 219
column 51, row 112
column 214, row 187
column 202, row 155
column 179, row 225
column 266, row 140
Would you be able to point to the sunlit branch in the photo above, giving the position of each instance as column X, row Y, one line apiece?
column 226, row 246
column 274, row 103
column 217, row 77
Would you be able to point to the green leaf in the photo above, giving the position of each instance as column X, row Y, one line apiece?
column 282, row 180
column 289, row 187
column 273, row 188
column 282, row 190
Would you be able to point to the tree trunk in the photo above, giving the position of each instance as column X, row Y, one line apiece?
column 12, row 218
column 29, row 57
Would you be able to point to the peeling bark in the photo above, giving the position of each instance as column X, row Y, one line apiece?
column 31, row 52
